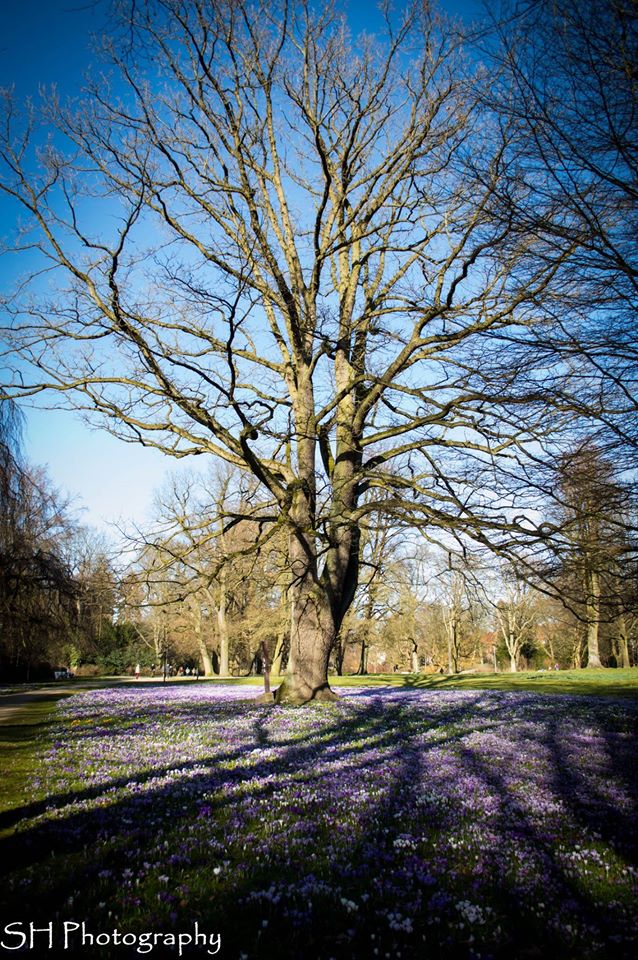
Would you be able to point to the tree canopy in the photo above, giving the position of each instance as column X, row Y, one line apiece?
column 264, row 239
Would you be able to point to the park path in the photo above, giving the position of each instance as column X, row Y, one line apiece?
column 13, row 704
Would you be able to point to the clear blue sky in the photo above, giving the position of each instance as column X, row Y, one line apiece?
column 44, row 42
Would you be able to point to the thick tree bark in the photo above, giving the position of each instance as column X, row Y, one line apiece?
column 319, row 601
column 312, row 625
column 312, row 634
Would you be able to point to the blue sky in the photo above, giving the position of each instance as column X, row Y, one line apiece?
column 44, row 42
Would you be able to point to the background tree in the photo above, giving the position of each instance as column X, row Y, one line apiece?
column 96, row 596
column 597, row 555
column 381, row 579
column 516, row 615
column 38, row 592
column 458, row 604
column 200, row 547
column 568, row 88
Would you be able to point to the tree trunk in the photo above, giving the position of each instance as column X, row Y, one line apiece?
column 311, row 640
column 282, row 633
column 312, row 623
column 207, row 662
column 339, row 654
column 451, row 651
column 279, row 652
column 204, row 654
column 222, row 627
column 511, row 649
column 222, row 623
column 593, row 619
column 623, row 641
column 363, row 660
column 218, row 604
column 414, row 656
column 319, row 601
column 577, row 654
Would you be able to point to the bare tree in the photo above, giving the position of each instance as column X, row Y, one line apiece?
column 516, row 615
column 297, row 269
column 568, row 86
column 201, row 546
column 378, row 584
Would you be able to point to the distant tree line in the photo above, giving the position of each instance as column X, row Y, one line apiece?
column 199, row 592
column 57, row 586
column 197, row 595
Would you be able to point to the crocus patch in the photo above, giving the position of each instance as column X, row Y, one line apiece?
column 391, row 823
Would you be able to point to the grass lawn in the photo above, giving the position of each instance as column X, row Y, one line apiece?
column 603, row 682
column 617, row 683
column 423, row 818
column 22, row 735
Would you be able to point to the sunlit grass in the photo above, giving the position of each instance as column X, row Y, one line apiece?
column 604, row 682
column 21, row 738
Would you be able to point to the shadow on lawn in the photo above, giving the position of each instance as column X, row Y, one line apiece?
column 379, row 738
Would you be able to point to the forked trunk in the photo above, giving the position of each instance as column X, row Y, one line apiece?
column 312, row 635
column 319, row 600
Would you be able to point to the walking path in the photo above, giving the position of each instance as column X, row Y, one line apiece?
column 12, row 704
column 13, row 700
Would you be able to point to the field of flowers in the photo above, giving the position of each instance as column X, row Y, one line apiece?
column 391, row 823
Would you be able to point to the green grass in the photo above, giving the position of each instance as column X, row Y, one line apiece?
column 603, row 682
column 20, row 744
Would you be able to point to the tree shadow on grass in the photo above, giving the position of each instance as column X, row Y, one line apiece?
column 367, row 766
column 210, row 773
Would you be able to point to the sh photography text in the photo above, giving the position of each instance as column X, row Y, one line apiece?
column 21, row 936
